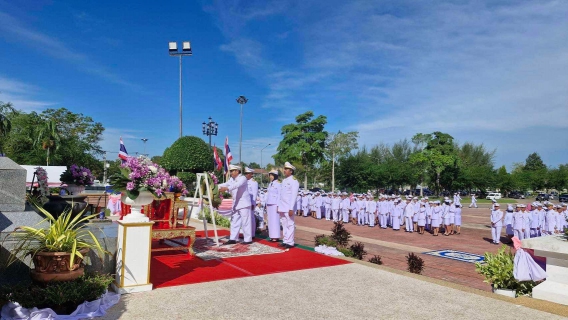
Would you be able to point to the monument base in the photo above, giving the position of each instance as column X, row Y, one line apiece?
column 555, row 249
column 133, row 289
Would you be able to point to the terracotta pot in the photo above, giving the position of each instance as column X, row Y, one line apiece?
column 54, row 266
column 177, row 195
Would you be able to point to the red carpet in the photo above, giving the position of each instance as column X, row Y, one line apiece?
column 178, row 268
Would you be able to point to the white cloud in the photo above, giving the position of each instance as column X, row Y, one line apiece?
column 475, row 69
column 21, row 94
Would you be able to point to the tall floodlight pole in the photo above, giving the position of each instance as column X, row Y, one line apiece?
column 241, row 100
column 210, row 129
column 261, row 168
column 145, row 140
column 185, row 51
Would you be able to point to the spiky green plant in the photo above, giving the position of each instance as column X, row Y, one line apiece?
column 64, row 234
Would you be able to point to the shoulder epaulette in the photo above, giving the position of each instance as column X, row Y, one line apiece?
column 294, row 177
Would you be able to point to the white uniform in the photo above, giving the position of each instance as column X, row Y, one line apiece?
column 272, row 196
column 240, row 219
column 473, row 202
column 335, row 208
column 287, row 202
column 253, row 192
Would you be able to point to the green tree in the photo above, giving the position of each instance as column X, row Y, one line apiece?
column 5, row 122
column 187, row 156
column 505, row 182
column 303, row 142
column 535, row 171
column 339, row 145
column 438, row 154
column 48, row 137
column 254, row 165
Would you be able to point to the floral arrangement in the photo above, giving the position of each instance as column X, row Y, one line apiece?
column 140, row 174
column 213, row 183
column 177, row 186
column 80, row 176
column 41, row 175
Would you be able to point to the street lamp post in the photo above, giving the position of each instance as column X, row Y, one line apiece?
column 241, row 100
column 145, row 140
column 185, row 51
column 261, row 168
column 210, row 129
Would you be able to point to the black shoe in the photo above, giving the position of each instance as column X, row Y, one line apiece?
column 247, row 242
column 231, row 242
column 287, row 246
column 282, row 244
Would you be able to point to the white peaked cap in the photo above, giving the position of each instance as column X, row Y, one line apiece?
column 273, row 172
column 248, row 170
column 234, row 167
column 289, row 166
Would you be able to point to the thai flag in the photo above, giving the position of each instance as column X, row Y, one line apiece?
column 122, row 154
column 228, row 155
column 216, row 160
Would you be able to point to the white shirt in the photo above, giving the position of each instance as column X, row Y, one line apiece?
column 239, row 192
column 273, row 192
column 288, row 193
column 253, row 191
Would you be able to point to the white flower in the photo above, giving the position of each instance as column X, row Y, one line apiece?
column 153, row 169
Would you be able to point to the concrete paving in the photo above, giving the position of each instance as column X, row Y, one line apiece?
column 354, row 291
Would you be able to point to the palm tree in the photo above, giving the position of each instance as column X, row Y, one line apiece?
column 5, row 122
column 48, row 136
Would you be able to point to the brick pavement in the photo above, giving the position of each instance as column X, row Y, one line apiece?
column 393, row 246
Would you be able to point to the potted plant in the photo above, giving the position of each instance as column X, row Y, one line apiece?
column 177, row 187
column 76, row 179
column 498, row 271
column 57, row 251
column 140, row 180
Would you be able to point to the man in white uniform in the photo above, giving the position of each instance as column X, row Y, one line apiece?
column 286, row 203
column 253, row 192
column 240, row 219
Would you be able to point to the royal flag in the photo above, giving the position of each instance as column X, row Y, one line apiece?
column 122, row 154
column 216, row 160
column 228, row 155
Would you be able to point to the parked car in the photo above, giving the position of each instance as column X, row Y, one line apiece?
column 516, row 195
column 493, row 196
column 563, row 197
column 542, row 197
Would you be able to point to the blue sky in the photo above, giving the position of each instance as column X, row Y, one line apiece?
column 492, row 72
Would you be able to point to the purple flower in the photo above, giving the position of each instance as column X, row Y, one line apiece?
column 130, row 186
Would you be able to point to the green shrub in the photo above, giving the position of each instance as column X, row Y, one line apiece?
column 189, row 154
column 376, row 259
column 323, row 240
column 415, row 263
column 358, row 249
column 62, row 297
column 340, row 234
column 347, row 252
column 189, row 179
column 498, row 271
column 219, row 219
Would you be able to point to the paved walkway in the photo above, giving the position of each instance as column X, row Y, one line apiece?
column 351, row 291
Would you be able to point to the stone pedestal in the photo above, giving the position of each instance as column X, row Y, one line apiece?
column 12, row 186
column 555, row 249
column 133, row 257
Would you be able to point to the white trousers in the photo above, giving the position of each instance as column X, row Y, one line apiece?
column 408, row 222
column 371, row 219
column 288, row 227
column 241, row 219
column 383, row 221
column 473, row 204
column 273, row 222
column 345, row 213
column 327, row 213
column 335, row 214
column 519, row 234
column 496, row 233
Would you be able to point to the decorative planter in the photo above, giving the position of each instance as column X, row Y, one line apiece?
column 54, row 266
column 74, row 189
column 505, row 292
column 57, row 204
column 136, row 215
column 177, row 195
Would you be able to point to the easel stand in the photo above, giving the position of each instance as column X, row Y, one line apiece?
column 198, row 190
